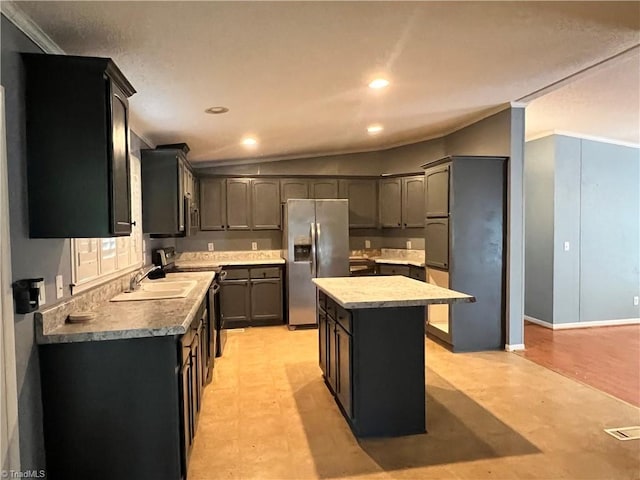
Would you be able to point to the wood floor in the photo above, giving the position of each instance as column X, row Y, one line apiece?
column 606, row 358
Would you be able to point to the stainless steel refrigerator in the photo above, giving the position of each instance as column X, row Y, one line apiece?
column 316, row 244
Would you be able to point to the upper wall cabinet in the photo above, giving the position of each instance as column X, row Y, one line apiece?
column 213, row 203
column 437, row 191
column 293, row 188
column 402, row 202
column 266, row 213
column 323, row 188
column 77, row 147
column 363, row 201
column 165, row 190
column 238, row 203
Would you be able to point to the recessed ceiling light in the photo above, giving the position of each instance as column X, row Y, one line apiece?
column 216, row 110
column 379, row 83
column 249, row 142
column 374, row 129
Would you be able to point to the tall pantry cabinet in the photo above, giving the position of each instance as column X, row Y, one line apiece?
column 465, row 238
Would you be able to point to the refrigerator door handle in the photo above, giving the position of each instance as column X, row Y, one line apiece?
column 313, row 250
column 318, row 252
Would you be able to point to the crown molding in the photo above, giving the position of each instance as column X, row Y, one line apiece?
column 23, row 22
column 582, row 136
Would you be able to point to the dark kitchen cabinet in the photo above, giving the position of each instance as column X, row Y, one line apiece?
column 390, row 202
column 363, row 201
column 343, row 369
column 320, row 188
column 417, row 273
column 251, row 297
column 166, row 201
column 293, row 188
column 413, row 201
column 437, row 242
column 323, row 341
column 465, row 237
column 437, row 191
column 238, row 203
column 77, row 147
column 332, row 360
column 234, row 303
column 265, row 212
column 390, row 269
column 213, row 203
column 402, row 202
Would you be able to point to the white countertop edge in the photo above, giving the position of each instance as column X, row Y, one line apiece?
column 391, row 261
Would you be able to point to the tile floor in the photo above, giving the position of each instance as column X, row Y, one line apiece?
column 496, row 415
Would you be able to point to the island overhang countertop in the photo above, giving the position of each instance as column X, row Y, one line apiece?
column 386, row 292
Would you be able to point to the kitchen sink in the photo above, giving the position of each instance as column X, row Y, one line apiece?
column 157, row 290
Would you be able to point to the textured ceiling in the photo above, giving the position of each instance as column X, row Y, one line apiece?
column 294, row 74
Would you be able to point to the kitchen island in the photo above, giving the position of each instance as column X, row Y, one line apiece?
column 371, row 349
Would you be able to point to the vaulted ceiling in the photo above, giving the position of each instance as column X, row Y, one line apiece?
column 294, row 74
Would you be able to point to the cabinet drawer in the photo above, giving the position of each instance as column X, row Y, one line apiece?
column 270, row 272
column 343, row 317
column 237, row 274
column 385, row 269
column 418, row 273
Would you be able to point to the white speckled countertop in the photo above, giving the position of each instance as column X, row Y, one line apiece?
column 199, row 261
column 392, row 256
column 136, row 319
column 385, row 292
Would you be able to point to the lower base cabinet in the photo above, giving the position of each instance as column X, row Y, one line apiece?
column 251, row 297
column 123, row 409
column 372, row 361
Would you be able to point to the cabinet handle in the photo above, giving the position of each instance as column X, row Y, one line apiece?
column 399, row 224
column 133, row 223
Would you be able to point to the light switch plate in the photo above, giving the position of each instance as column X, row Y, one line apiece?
column 210, row 246
column 254, row 245
column 635, row 300
column 566, row 246
column 367, row 244
column 59, row 286
column 408, row 244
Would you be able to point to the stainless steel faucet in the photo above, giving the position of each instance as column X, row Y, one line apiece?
column 134, row 284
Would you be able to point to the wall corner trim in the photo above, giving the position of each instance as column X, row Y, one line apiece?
column 23, row 22
column 514, row 348
column 537, row 321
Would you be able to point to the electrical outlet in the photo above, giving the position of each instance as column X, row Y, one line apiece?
column 566, row 246
column 59, row 286
column 367, row 244
column 254, row 245
column 42, row 299
column 408, row 244
column 635, row 300
column 210, row 246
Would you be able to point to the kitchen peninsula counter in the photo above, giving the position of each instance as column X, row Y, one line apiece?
column 372, row 355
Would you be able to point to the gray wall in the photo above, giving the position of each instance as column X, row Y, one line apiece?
column 29, row 257
column 585, row 193
column 609, row 231
column 539, row 191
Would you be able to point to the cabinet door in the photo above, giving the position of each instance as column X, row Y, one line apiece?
column 387, row 269
column 120, row 169
column 417, row 273
column 436, row 243
column 390, row 202
column 437, row 191
column 238, row 203
column 332, row 358
column 234, row 303
column 181, row 192
column 363, row 202
column 213, row 204
column 293, row 188
column 266, row 212
column 266, row 301
column 323, row 339
column 188, row 420
column 324, row 188
column 413, row 202
column 196, row 384
column 343, row 355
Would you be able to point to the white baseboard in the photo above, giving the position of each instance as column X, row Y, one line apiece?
column 515, row 347
column 593, row 323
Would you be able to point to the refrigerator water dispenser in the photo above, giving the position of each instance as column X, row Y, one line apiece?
column 302, row 249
